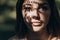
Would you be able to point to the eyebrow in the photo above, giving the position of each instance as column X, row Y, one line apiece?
column 27, row 5
column 40, row 3
column 43, row 4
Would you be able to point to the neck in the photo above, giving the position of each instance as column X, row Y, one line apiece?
column 41, row 35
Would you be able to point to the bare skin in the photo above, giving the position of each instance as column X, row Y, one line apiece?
column 38, row 36
column 36, row 15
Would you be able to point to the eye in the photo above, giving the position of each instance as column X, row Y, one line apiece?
column 27, row 8
column 44, row 8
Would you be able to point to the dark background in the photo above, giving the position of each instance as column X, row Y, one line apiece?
column 8, row 18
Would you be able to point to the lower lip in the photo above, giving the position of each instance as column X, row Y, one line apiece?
column 37, row 24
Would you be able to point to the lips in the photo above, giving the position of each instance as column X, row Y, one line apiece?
column 36, row 23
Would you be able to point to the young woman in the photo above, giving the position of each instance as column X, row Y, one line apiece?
column 37, row 20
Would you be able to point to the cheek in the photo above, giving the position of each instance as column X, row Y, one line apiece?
column 45, row 16
column 24, row 14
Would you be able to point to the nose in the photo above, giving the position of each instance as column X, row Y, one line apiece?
column 34, row 14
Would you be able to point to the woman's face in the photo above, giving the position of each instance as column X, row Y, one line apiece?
column 36, row 14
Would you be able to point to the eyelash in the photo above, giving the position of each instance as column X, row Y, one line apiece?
column 44, row 8
column 27, row 8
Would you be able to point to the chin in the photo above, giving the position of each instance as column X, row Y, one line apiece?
column 38, row 28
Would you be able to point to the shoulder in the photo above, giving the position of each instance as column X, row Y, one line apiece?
column 15, row 37
column 56, row 37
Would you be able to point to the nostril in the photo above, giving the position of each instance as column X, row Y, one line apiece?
column 36, row 17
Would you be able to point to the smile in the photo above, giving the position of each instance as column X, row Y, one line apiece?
column 36, row 23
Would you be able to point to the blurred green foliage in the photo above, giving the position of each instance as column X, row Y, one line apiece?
column 7, row 13
column 58, row 5
column 8, row 17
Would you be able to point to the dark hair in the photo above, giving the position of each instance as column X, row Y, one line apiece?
column 52, row 26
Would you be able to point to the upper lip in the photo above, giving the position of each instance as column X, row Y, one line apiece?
column 35, row 21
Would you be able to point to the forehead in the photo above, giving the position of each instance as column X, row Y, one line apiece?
column 34, row 1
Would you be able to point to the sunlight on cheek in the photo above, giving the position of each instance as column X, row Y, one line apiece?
column 27, row 20
column 23, row 13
